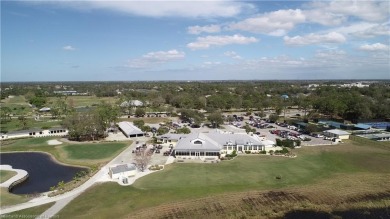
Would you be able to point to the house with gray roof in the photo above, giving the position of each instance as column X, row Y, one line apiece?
column 130, row 130
column 122, row 171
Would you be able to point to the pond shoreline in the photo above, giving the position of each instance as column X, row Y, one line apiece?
column 53, row 158
column 43, row 169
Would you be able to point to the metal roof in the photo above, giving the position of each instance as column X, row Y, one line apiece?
column 129, row 129
column 123, row 168
column 337, row 132
column 214, row 141
column 362, row 126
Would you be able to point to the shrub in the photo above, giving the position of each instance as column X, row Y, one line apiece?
column 247, row 152
column 263, row 152
column 278, row 142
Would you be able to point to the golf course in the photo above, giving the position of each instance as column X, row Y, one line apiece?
column 352, row 175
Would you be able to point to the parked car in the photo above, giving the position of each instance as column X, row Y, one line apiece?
column 157, row 151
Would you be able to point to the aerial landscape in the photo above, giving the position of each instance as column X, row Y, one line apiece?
column 195, row 109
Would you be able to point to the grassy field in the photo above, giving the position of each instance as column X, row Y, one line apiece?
column 352, row 168
column 6, row 175
column 29, row 212
column 11, row 199
column 79, row 101
column 15, row 125
column 82, row 154
column 92, row 151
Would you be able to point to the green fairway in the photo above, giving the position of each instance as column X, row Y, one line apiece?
column 82, row 154
column 6, row 175
column 181, row 182
column 93, row 151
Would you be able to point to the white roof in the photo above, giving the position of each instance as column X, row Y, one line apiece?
column 337, row 132
column 129, row 129
column 214, row 141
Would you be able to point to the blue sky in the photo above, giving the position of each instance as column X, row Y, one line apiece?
column 194, row 40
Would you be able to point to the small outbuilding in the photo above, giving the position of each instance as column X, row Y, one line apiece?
column 122, row 171
column 337, row 133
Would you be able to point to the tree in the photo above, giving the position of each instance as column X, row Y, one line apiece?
column 215, row 119
column 142, row 160
column 23, row 121
column 310, row 128
column 5, row 114
column 139, row 112
column 183, row 130
column 139, row 123
column 146, row 128
column 162, row 130
column 273, row 117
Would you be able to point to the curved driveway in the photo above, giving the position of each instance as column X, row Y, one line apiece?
column 63, row 199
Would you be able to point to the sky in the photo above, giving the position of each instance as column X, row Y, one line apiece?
column 194, row 40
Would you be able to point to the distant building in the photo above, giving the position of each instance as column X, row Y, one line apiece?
column 130, row 130
column 35, row 133
column 44, row 109
column 337, row 133
column 132, row 103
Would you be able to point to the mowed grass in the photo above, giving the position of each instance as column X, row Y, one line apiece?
column 8, row 199
column 182, row 182
column 15, row 124
column 92, row 151
column 6, row 175
column 79, row 101
column 29, row 212
column 81, row 154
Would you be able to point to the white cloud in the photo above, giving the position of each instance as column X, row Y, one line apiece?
column 207, row 29
column 232, row 55
column 374, row 47
column 364, row 29
column 366, row 10
column 324, row 17
column 68, row 48
column 209, row 41
column 330, row 54
column 276, row 23
column 154, row 58
column 158, row 8
column 332, row 37
column 336, row 12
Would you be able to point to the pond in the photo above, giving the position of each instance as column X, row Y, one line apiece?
column 43, row 171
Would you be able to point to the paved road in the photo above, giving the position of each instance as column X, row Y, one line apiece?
column 67, row 197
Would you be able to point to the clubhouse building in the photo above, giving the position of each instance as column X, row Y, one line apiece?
column 214, row 145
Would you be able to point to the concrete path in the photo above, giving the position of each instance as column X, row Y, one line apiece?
column 67, row 197
column 20, row 174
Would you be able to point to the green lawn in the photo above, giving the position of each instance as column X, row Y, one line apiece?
column 83, row 154
column 92, row 151
column 29, row 212
column 6, row 175
column 8, row 199
column 180, row 182
column 15, row 125
column 78, row 101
